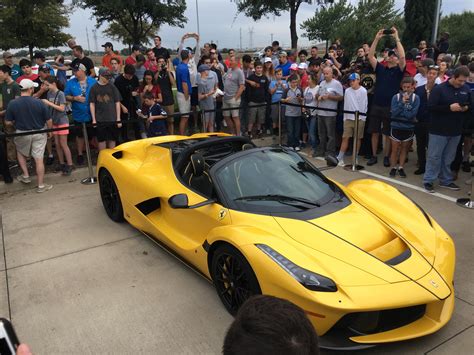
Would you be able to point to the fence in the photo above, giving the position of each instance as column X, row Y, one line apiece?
column 91, row 179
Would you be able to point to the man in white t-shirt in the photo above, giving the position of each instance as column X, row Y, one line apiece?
column 355, row 99
column 420, row 77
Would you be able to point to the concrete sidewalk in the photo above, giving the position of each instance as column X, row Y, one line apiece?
column 77, row 283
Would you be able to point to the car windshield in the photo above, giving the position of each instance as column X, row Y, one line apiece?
column 273, row 180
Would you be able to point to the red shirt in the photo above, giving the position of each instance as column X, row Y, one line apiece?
column 106, row 60
column 130, row 60
column 155, row 91
column 410, row 68
column 32, row 77
column 151, row 66
column 304, row 83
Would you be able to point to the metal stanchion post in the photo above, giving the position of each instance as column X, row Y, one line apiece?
column 4, row 170
column 355, row 144
column 91, row 178
column 468, row 202
column 279, row 122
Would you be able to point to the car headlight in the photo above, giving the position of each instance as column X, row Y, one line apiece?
column 308, row 279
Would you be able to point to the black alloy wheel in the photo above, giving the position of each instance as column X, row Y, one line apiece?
column 110, row 196
column 233, row 278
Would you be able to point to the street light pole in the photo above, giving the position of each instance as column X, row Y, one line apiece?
column 434, row 33
column 197, row 16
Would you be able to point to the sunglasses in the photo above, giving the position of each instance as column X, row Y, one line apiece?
column 433, row 67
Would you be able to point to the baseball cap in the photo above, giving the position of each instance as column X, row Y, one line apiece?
column 39, row 55
column 26, row 84
column 203, row 67
column 303, row 66
column 108, row 44
column 294, row 66
column 354, row 76
column 44, row 68
column 79, row 66
column 283, row 54
column 267, row 60
column 7, row 54
column 105, row 72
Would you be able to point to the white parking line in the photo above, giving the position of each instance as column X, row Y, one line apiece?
column 401, row 183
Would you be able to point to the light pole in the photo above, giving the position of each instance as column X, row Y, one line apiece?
column 197, row 16
column 434, row 34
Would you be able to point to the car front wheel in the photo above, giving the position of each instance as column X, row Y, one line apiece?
column 233, row 278
column 110, row 196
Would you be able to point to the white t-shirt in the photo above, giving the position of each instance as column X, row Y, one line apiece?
column 422, row 80
column 355, row 100
column 310, row 98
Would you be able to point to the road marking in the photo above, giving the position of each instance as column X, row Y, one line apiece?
column 401, row 183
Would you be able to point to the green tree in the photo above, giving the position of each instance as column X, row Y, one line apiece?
column 256, row 9
column 134, row 20
column 33, row 24
column 368, row 17
column 326, row 20
column 460, row 28
column 419, row 16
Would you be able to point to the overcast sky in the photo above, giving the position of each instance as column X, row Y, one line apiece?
column 218, row 22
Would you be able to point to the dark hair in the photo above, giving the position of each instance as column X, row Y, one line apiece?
column 275, row 43
column 78, row 48
column 268, row 48
column 257, row 63
column 149, row 50
column 270, row 325
column 129, row 69
column 303, row 51
column 407, row 80
column 313, row 77
column 293, row 77
column 24, row 63
column 203, row 58
column 114, row 59
column 6, row 69
column 213, row 46
column 184, row 54
column 464, row 59
column 461, row 71
column 156, row 36
column 159, row 57
column 148, row 95
column 53, row 80
column 140, row 58
column 231, row 49
column 471, row 67
column 148, row 73
column 246, row 58
column 314, row 47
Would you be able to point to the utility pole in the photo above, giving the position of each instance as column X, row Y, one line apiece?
column 271, row 37
column 251, row 32
column 434, row 33
column 96, row 44
column 197, row 16
column 240, row 38
column 88, row 43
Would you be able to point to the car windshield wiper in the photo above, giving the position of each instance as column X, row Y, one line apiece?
column 280, row 198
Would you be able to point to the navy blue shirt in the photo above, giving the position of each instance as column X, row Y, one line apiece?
column 387, row 84
column 182, row 76
column 29, row 113
column 424, row 115
column 157, row 127
column 445, row 122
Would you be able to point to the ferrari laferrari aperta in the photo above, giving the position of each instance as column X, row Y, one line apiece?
column 365, row 262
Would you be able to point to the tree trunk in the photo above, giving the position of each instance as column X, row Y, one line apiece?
column 30, row 50
column 293, row 34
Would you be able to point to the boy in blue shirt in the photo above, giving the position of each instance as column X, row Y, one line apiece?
column 404, row 109
column 277, row 88
column 156, row 117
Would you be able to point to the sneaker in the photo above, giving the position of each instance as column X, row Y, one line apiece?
column 23, row 179
column 67, row 170
column 401, row 172
column 59, row 168
column 386, row 162
column 341, row 163
column 393, row 172
column 44, row 188
column 50, row 160
column 419, row 171
column 260, row 134
column 367, row 156
column 80, row 160
column 372, row 161
column 451, row 186
column 428, row 187
column 466, row 167
column 297, row 149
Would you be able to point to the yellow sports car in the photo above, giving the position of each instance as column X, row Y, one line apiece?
column 366, row 263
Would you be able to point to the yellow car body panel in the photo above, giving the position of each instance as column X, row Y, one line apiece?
column 353, row 246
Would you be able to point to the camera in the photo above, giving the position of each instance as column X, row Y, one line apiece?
column 387, row 31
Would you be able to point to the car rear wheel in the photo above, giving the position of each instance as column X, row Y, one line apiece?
column 110, row 196
column 233, row 278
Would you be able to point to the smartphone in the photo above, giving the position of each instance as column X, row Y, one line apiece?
column 8, row 339
column 387, row 31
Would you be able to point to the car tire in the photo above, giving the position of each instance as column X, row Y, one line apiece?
column 110, row 196
column 233, row 278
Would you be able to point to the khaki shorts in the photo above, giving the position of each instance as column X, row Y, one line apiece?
column 184, row 105
column 32, row 144
column 256, row 114
column 232, row 103
column 349, row 129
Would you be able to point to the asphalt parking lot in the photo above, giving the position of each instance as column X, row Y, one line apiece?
column 74, row 282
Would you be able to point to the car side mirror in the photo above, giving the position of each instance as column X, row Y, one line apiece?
column 179, row 201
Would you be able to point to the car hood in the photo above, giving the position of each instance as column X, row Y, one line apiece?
column 362, row 239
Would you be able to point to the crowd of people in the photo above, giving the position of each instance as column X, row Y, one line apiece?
column 420, row 94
